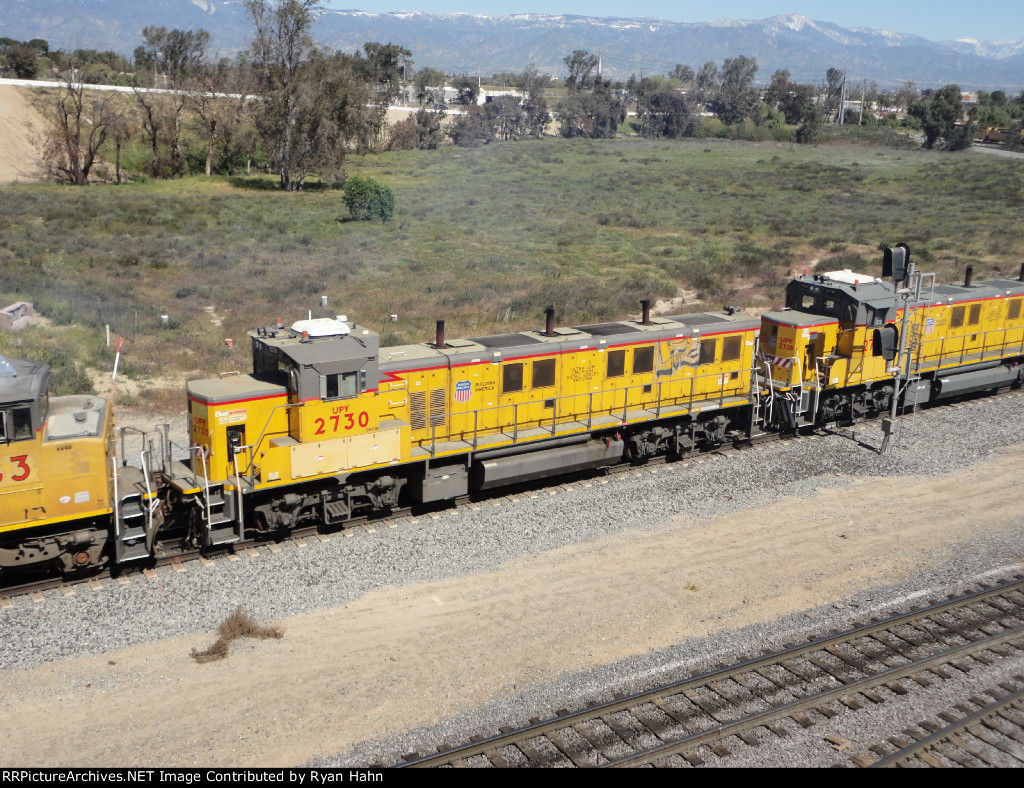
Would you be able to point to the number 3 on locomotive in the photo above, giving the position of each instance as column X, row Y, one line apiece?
column 342, row 422
column 23, row 470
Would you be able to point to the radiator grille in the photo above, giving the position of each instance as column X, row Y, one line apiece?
column 417, row 410
column 438, row 407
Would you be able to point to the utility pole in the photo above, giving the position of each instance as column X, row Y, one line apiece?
column 842, row 103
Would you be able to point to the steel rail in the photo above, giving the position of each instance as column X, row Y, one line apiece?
column 620, row 704
column 929, row 741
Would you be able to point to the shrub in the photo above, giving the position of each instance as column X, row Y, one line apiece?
column 367, row 199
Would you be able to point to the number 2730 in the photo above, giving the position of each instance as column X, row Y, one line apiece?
column 340, row 422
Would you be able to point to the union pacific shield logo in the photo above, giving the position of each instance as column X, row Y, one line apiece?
column 463, row 391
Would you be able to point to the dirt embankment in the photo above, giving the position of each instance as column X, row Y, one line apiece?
column 19, row 123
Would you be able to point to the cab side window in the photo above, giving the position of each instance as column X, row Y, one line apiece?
column 731, row 348
column 16, row 424
column 344, row 384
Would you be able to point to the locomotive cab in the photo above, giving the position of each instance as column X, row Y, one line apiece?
column 837, row 329
column 53, row 471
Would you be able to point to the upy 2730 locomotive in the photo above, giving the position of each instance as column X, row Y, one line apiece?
column 329, row 426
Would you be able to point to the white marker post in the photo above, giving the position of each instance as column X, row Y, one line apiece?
column 117, row 358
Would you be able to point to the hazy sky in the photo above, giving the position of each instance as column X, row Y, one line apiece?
column 938, row 20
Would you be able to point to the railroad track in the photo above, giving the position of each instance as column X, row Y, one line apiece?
column 708, row 716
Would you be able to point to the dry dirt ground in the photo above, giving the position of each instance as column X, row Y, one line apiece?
column 18, row 152
column 411, row 655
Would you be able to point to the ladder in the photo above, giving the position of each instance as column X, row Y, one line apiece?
column 221, row 509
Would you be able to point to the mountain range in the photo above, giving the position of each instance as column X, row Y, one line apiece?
column 481, row 44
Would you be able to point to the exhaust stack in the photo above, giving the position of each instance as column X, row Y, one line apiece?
column 439, row 340
column 646, row 320
column 549, row 322
column 969, row 276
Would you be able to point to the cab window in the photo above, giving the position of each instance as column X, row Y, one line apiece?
column 344, row 384
column 16, row 424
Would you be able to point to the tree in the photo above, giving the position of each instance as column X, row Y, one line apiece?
column 468, row 90
column 23, row 59
column 535, row 105
column 312, row 103
column 662, row 111
column 382, row 67
column 809, row 130
column 429, row 84
column 736, row 97
column 682, row 73
column 367, row 199
column 81, row 121
column 581, row 65
column 510, row 119
column 181, row 57
column 939, row 115
column 420, row 131
column 218, row 102
column 177, row 53
column 833, row 87
column 595, row 114
column 707, row 82
column 473, row 128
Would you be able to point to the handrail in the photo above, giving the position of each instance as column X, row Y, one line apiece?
column 116, row 507
column 689, row 397
column 125, row 429
column 206, row 487
column 259, row 440
column 238, row 493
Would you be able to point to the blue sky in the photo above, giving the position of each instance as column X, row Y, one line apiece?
column 938, row 20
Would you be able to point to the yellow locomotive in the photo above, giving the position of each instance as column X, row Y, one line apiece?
column 55, row 498
column 833, row 353
column 329, row 426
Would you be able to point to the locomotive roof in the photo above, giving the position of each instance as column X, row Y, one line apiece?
column 22, row 380
column 319, row 348
column 530, row 343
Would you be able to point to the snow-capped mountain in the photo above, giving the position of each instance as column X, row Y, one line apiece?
column 479, row 43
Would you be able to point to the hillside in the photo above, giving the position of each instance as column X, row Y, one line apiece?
column 18, row 150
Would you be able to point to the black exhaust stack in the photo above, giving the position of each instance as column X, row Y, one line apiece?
column 549, row 322
column 646, row 320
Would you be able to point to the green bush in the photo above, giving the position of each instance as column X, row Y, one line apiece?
column 367, row 199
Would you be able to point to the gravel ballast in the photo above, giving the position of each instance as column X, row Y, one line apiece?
column 476, row 540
